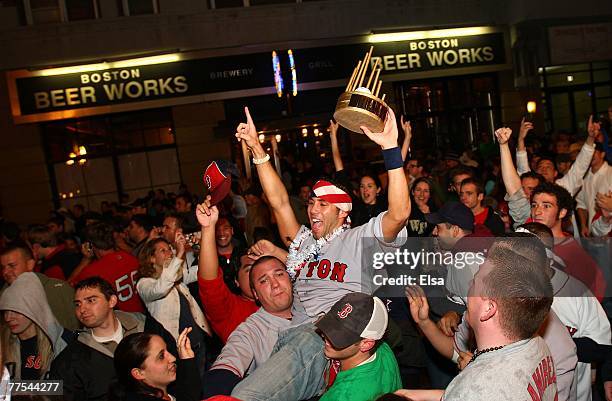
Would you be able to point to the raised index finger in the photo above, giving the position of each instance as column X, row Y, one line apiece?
column 248, row 116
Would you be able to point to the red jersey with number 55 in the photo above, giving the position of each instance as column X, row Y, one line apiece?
column 118, row 268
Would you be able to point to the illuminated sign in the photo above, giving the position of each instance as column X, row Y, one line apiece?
column 411, row 54
column 277, row 69
column 75, row 91
column 278, row 78
column 181, row 78
column 294, row 89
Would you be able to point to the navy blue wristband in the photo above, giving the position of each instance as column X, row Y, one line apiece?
column 393, row 158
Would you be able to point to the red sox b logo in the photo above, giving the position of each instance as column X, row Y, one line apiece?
column 207, row 180
column 345, row 311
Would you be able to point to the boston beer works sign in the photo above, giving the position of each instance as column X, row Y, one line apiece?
column 171, row 79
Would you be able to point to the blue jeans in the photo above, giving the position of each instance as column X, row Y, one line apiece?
column 294, row 372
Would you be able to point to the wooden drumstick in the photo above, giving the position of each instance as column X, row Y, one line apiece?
column 375, row 80
column 377, row 89
column 383, row 97
column 352, row 80
column 366, row 61
column 359, row 73
column 372, row 74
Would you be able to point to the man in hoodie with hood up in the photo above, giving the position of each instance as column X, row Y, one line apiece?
column 31, row 335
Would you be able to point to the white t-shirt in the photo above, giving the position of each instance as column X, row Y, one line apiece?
column 117, row 336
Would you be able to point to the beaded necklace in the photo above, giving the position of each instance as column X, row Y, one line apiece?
column 297, row 260
column 484, row 351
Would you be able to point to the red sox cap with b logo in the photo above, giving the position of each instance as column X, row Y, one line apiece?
column 218, row 184
column 354, row 317
column 344, row 312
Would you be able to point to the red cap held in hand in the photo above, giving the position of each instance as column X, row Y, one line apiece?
column 218, row 184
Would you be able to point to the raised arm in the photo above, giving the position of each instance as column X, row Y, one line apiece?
column 397, row 192
column 333, row 137
column 603, row 224
column 582, row 213
column 572, row 181
column 208, row 263
column 526, row 126
column 152, row 289
column 512, row 181
column 522, row 162
column 273, row 187
column 407, row 128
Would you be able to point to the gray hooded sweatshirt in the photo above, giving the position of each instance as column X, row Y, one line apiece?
column 27, row 296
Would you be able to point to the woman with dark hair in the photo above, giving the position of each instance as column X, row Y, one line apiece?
column 370, row 203
column 420, row 196
column 145, row 369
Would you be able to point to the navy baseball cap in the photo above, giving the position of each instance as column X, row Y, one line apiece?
column 354, row 317
column 455, row 213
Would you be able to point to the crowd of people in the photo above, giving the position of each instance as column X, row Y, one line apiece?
column 264, row 290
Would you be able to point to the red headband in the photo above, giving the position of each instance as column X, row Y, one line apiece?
column 332, row 194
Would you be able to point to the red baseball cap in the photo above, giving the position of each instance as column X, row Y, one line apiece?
column 218, row 184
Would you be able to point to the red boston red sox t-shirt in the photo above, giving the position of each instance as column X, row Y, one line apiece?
column 118, row 268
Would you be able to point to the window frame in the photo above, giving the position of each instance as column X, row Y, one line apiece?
column 114, row 153
column 547, row 91
column 63, row 11
column 126, row 8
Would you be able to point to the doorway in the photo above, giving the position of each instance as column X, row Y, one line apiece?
column 455, row 113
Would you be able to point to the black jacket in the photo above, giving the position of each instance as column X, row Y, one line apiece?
column 494, row 223
column 87, row 367
column 362, row 213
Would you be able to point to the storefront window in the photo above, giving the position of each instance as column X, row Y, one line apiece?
column 97, row 158
column 573, row 92
column 604, row 100
column 450, row 113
